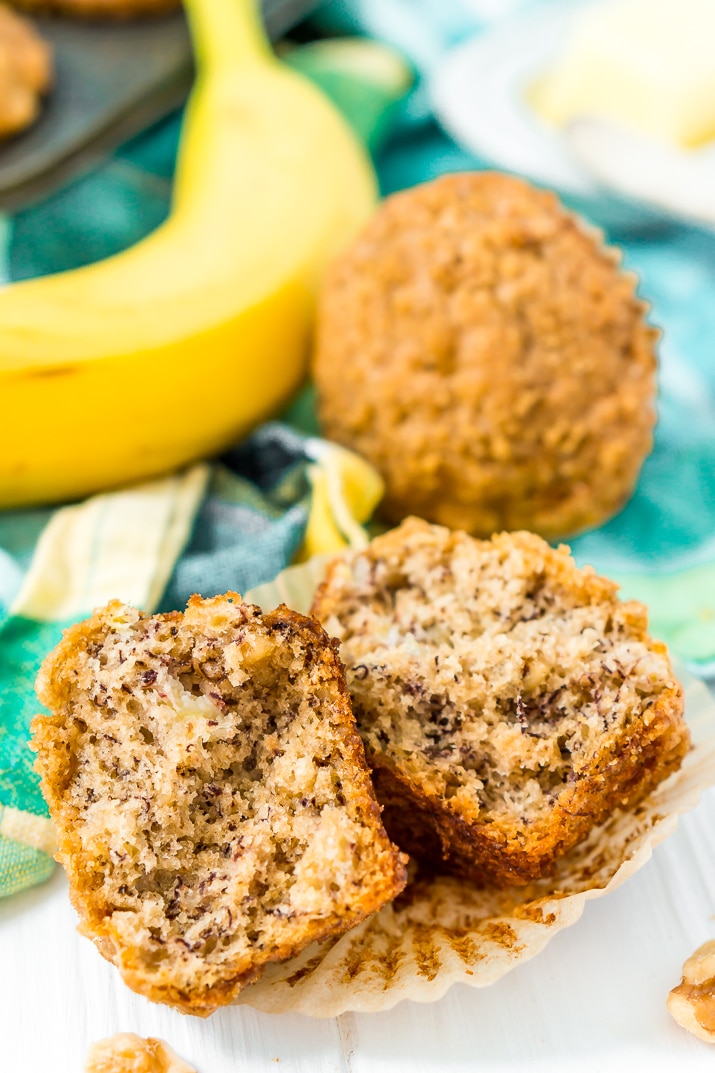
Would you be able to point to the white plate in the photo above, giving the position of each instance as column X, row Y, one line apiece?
column 478, row 93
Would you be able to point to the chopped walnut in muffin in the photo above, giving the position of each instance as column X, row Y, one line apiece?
column 692, row 1002
column 129, row 1053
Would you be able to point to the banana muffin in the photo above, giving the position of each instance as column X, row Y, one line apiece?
column 209, row 789
column 25, row 72
column 99, row 9
column 508, row 701
column 484, row 351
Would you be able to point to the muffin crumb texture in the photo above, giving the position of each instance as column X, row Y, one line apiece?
column 485, row 352
column 508, row 701
column 213, row 806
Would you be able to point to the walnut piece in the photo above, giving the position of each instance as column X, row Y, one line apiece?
column 129, row 1053
column 692, row 1002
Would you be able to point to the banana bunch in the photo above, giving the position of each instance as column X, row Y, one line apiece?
column 170, row 350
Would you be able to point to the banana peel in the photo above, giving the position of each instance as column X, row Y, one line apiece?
column 172, row 349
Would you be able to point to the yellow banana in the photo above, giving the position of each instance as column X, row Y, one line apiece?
column 168, row 351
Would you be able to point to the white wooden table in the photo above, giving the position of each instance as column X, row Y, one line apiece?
column 594, row 1000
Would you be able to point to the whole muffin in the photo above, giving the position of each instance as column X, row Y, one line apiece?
column 25, row 72
column 98, row 9
column 484, row 351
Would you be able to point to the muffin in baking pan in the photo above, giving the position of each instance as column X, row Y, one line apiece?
column 26, row 71
column 209, row 788
column 98, row 9
column 508, row 701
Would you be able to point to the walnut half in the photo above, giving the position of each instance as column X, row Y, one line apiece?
column 128, row 1053
column 692, row 1002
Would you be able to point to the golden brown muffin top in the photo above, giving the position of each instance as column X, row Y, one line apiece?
column 485, row 352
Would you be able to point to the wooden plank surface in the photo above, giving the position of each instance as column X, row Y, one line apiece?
column 593, row 1001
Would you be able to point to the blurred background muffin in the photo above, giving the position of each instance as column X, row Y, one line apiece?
column 25, row 72
column 487, row 355
column 112, row 9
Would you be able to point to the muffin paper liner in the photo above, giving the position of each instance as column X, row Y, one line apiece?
column 440, row 931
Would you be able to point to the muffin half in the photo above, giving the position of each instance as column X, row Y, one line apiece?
column 508, row 701
column 209, row 788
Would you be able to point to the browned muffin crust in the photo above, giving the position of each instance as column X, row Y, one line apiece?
column 486, row 354
column 508, row 701
column 210, row 793
column 25, row 72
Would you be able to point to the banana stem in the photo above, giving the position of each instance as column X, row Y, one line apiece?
column 226, row 33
